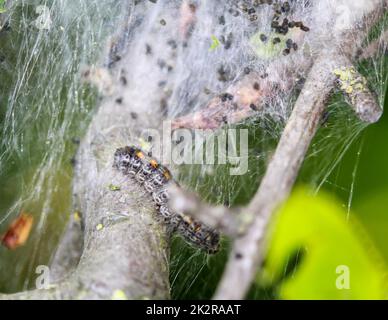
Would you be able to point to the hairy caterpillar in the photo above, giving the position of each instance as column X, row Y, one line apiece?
column 155, row 178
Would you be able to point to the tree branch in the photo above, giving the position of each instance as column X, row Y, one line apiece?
column 228, row 221
column 355, row 87
column 69, row 251
column 247, row 253
column 279, row 179
column 125, row 249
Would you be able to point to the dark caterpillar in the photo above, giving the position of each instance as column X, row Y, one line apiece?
column 155, row 178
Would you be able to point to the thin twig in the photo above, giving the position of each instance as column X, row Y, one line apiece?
column 218, row 217
column 355, row 87
column 240, row 101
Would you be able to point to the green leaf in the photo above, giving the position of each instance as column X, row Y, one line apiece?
column 333, row 246
column 372, row 212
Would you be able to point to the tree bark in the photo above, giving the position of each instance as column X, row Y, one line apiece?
column 125, row 251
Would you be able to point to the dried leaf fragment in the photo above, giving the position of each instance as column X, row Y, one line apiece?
column 18, row 232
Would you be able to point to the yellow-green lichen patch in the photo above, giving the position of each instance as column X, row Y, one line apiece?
column 77, row 216
column 114, row 188
column 350, row 81
column 215, row 43
column 144, row 145
column 119, row 295
column 245, row 219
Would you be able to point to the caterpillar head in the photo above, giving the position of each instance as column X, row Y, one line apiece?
column 123, row 157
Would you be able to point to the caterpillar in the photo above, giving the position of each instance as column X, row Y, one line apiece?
column 155, row 179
